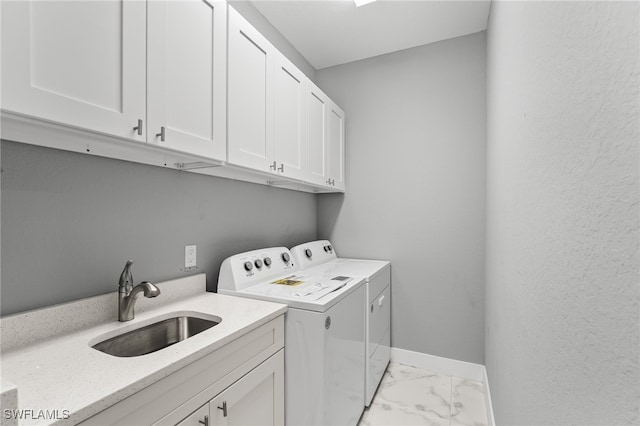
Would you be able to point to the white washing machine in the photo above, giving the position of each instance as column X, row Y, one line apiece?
column 320, row 258
column 324, row 333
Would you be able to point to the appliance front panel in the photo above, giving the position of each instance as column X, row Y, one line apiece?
column 345, row 360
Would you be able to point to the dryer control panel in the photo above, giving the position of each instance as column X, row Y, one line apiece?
column 313, row 253
column 243, row 270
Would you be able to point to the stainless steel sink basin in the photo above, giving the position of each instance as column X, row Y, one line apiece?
column 154, row 337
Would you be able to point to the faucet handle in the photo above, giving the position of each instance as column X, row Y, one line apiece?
column 125, row 284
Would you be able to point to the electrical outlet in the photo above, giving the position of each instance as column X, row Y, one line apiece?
column 189, row 256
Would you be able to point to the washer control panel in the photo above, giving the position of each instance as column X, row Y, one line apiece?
column 253, row 267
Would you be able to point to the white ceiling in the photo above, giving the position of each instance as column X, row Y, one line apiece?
column 333, row 32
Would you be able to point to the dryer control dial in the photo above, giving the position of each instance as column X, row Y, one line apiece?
column 248, row 266
column 258, row 263
column 285, row 257
column 308, row 253
column 267, row 261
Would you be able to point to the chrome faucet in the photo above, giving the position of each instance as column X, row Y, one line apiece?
column 127, row 293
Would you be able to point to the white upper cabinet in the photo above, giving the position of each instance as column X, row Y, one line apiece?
column 186, row 84
column 186, row 72
column 78, row 63
column 335, row 146
column 317, row 109
column 289, row 153
column 265, row 106
column 325, row 140
column 250, row 91
column 148, row 71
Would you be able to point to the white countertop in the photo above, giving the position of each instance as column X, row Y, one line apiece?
column 62, row 373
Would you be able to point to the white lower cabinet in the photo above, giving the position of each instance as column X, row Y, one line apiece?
column 198, row 417
column 252, row 400
column 241, row 383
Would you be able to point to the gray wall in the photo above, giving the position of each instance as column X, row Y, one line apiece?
column 251, row 14
column 70, row 221
column 415, row 180
column 562, row 314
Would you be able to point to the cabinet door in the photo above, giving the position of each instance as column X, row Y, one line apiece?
column 187, row 76
column 317, row 107
column 78, row 63
column 335, row 146
column 250, row 95
column 197, row 418
column 255, row 399
column 289, row 115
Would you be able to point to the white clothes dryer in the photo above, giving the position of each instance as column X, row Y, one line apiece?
column 324, row 333
column 319, row 257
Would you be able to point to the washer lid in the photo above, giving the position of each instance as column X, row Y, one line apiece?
column 314, row 293
column 311, row 287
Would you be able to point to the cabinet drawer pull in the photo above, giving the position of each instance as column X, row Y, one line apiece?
column 224, row 409
column 139, row 127
column 161, row 134
column 204, row 422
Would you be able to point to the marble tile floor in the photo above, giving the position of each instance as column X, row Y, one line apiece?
column 412, row 396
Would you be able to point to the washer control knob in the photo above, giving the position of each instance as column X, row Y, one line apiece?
column 248, row 266
column 330, row 249
column 285, row 257
column 326, row 248
column 258, row 263
column 267, row 261
column 308, row 253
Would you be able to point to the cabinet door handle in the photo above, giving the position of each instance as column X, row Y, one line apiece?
column 328, row 181
column 204, row 422
column 161, row 134
column 139, row 127
column 281, row 168
column 224, row 409
column 273, row 166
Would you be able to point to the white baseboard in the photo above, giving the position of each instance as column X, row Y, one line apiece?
column 451, row 367
column 487, row 399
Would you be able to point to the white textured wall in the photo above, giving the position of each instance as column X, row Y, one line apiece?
column 562, row 313
column 415, row 148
